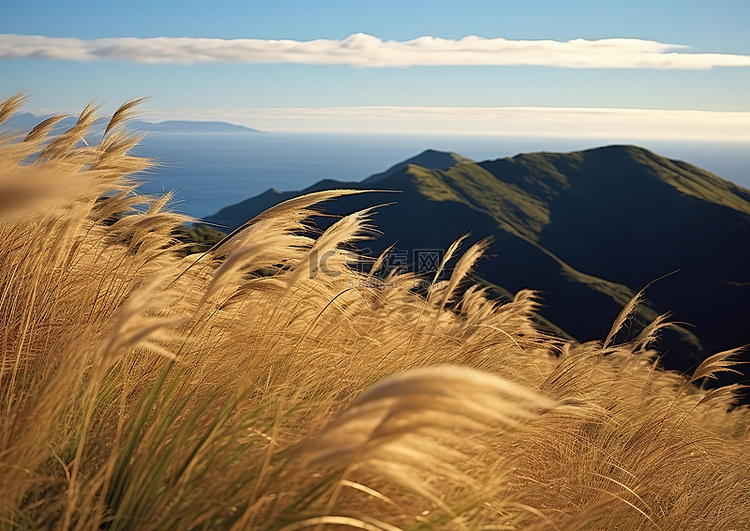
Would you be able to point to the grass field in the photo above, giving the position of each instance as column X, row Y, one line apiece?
column 268, row 384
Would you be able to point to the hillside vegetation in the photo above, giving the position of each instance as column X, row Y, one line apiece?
column 268, row 384
column 587, row 229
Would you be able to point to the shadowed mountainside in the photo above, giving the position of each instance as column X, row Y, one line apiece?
column 587, row 229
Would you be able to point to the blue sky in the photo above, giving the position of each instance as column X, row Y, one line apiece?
column 482, row 66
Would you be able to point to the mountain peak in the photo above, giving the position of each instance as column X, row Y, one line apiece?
column 430, row 159
column 688, row 179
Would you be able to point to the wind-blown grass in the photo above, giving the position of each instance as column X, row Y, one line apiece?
column 268, row 384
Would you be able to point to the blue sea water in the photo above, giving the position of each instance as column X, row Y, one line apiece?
column 210, row 171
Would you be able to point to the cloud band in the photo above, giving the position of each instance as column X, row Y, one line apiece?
column 366, row 51
column 617, row 124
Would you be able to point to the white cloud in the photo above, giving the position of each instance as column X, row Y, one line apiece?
column 517, row 121
column 360, row 50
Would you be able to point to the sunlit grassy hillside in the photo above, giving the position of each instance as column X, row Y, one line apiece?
column 267, row 384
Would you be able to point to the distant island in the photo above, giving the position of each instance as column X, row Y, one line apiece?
column 189, row 126
column 25, row 121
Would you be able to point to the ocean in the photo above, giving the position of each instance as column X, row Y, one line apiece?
column 210, row 171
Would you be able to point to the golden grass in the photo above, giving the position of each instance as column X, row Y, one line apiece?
column 267, row 384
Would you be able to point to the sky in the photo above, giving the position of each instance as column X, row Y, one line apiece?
column 637, row 69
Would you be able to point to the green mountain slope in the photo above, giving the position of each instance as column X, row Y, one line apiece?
column 586, row 229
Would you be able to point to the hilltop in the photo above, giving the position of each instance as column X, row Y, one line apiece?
column 587, row 229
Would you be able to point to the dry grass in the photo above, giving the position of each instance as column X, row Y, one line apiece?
column 258, row 386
